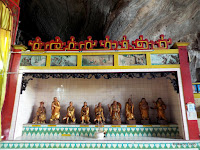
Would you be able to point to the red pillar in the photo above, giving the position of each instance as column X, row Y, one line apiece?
column 7, row 110
column 187, row 87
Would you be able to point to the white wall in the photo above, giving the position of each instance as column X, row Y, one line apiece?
column 25, row 108
column 175, row 105
column 99, row 90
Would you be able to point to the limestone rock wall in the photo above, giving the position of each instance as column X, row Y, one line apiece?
column 177, row 19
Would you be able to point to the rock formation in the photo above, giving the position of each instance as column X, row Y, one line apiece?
column 177, row 19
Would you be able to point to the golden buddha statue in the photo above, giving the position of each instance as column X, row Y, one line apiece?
column 129, row 107
column 40, row 115
column 70, row 113
column 115, row 111
column 144, row 109
column 55, row 107
column 99, row 116
column 160, row 106
column 85, row 113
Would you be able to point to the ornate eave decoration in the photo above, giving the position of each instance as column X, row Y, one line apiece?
column 172, row 76
column 91, row 45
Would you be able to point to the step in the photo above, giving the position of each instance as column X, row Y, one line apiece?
column 178, row 145
column 45, row 130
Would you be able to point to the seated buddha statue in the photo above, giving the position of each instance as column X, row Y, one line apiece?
column 40, row 115
column 70, row 116
column 85, row 118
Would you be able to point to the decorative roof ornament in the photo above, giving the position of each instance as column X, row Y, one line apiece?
column 91, row 45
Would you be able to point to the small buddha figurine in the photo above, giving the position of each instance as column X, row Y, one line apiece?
column 85, row 114
column 40, row 115
column 160, row 106
column 144, row 109
column 115, row 112
column 70, row 113
column 99, row 116
column 55, row 114
column 129, row 107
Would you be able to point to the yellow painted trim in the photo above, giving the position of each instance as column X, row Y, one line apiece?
column 36, row 125
column 66, row 134
column 21, row 47
column 177, row 44
column 101, row 126
column 196, row 83
column 196, row 95
column 162, row 51
column 148, row 59
column 99, row 67
column 79, row 61
column 48, row 61
column 131, row 125
column 173, row 51
column 84, row 125
column 147, row 125
column 115, row 126
column 51, row 125
column 116, row 60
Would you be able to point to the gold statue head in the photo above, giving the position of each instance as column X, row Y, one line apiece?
column 71, row 103
column 99, row 104
column 85, row 103
column 129, row 101
column 143, row 100
column 55, row 99
column 115, row 103
column 41, row 104
column 159, row 100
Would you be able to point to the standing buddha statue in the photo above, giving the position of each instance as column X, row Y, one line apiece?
column 55, row 114
column 160, row 106
column 115, row 112
column 99, row 116
column 144, row 109
column 129, row 107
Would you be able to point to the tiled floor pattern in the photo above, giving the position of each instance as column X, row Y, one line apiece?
column 107, row 144
column 168, row 131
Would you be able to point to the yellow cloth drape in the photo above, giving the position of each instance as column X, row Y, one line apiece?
column 6, row 20
column 5, row 40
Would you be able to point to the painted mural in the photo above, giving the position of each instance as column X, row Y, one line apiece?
column 33, row 60
column 64, row 60
column 132, row 59
column 97, row 60
column 164, row 59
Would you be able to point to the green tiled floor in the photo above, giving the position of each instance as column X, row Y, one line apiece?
column 117, row 137
column 169, row 131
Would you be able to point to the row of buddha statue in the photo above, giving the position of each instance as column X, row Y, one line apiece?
column 114, row 110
